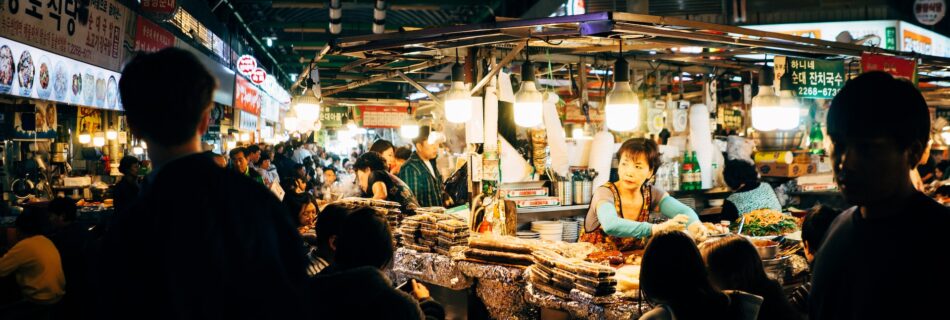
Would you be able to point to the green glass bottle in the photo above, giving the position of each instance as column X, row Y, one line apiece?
column 697, row 173
column 816, row 146
column 686, row 173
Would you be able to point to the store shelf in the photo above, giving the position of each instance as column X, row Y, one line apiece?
column 583, row 207
column 709, row 193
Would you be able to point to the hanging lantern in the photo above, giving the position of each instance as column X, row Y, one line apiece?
column 307, row 107
column 528, row 99
column 99, row 139
column 112, row 134
column 622, row 110
column 85, row 138
column 768, row 111
column 458, row 105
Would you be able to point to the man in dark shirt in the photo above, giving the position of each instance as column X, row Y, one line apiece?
column 881, row 259
column 71, row 240
column 201, row 242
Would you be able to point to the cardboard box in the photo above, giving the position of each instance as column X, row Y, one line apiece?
column 785, row 170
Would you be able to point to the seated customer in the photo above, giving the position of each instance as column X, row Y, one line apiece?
column 748, row 193
column 35, row 263
column 814, row 228
column 327, row 228
column 673, row 277
column 376, row 182
column 734, row 264
column 354, row 287
column 71, row 240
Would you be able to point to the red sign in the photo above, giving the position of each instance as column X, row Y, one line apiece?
column 246, row 96
column 150, row 37
column 159, row 6
column 897, row 67
column 258, row 76
column 383, row 117
column 246, row 64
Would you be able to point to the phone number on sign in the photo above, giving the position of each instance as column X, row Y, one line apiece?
column 815, row 91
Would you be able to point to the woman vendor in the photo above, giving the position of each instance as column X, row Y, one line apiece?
column 619, row 210
column 376, row 182
column 748, row 193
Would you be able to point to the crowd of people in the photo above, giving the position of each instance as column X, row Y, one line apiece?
column 204, row 237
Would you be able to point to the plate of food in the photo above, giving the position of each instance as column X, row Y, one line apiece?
column 7, row 69
column 76, row 88
column 112, row 93
column 43, row 88
column 100, row 91
column 767, row 222
column 26, row 72
column 88, row 88
column 59, row 82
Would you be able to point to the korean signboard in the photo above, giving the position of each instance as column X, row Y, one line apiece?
column 246, row 96
column 929, row 12
column 332, row 117
column 29, row 72
column 810, row 78
column 150, row 37
column 383, row 117
column 270, row 108
column 92, row 31
column 898, row 67
column 886, row 30
column 164, row 7
column 248, row 121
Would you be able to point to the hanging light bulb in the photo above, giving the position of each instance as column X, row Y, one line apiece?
column 290, row 124
column 307, row 107
column 458, row 105
column 528, row 99
column 112, row 134
column 99, row 139
column 768, row 111
column 137, row 150
column 85, row 138
column 623, row 106
column 350, row 124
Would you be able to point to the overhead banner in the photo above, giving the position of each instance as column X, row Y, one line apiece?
column 150, row 37
column 383, row 117
column 161, row 7
column 810, row 78
column 332, row 117
column 897, row 67
column 29, row 72
column 270, row 108
column 95, row 32
column 246, row 96
column 248, row 121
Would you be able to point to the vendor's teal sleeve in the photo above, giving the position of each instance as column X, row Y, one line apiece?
column 616, row 226
column 671, row 207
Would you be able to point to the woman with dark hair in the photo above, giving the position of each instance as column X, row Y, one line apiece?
column 386, row 150
column 748, row 194
column 265, row 167
column 734, row 264
column 354, row 287
column 377, row 183
column 303, row 211
column 674, row 277
column 620, row 210
column 126, row 190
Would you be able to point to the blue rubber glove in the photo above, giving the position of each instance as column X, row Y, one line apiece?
column 671, row 207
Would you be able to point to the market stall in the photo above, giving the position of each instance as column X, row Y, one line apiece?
column 534, row 156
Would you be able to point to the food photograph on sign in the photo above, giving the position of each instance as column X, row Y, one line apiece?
column 33, row 73
column 7, row 69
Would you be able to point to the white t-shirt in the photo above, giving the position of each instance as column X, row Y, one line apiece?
column 300, row 154
column 429, row 166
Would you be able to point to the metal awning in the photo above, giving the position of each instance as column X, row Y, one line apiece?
column 596, row 36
